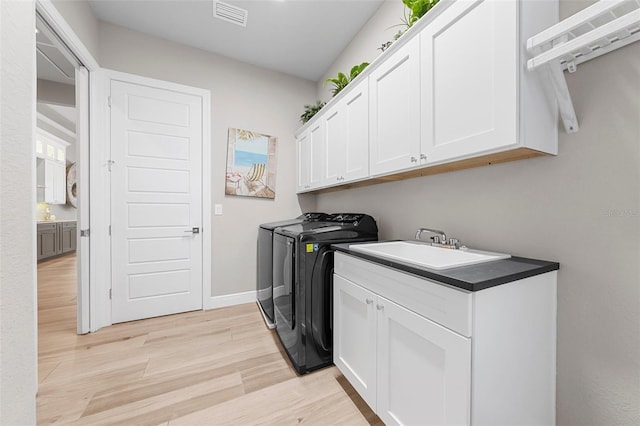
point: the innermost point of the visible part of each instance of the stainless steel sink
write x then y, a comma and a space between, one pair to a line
426, 255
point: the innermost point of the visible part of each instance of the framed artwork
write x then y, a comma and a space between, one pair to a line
251, 164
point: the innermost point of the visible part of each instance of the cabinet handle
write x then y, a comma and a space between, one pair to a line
369, 301
414, 160
423, 156
380, 307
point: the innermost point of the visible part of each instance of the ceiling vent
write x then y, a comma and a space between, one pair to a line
230, 13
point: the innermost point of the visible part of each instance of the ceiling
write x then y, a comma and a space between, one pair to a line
298, 37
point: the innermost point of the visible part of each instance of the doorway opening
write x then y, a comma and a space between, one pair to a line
58, 155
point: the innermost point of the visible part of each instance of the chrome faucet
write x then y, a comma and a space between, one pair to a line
440, 237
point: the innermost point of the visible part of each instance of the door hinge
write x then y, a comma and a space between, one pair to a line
110, 164
109, 230
109, 101
110, 294
85, 232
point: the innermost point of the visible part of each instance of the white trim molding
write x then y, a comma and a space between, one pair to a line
230, 300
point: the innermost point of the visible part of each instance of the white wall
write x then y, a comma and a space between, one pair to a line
581, 208
243, 96
364, 47
18, 380
52, 92
79, 16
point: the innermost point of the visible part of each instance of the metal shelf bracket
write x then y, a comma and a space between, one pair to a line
605, 26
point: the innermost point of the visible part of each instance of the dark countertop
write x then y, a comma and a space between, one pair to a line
56, 221
472, 277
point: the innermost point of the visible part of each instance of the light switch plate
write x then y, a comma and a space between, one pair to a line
217, 209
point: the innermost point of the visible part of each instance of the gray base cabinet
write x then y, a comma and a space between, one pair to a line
55, 239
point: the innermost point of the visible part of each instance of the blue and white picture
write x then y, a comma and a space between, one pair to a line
251, 164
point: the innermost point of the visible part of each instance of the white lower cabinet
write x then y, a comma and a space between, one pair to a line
410, 370
423, 369
423, 353
354, 341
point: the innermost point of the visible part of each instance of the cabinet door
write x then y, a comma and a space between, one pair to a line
394, 90
304, 159
354, 337
41, 183
316, 147
68, 237
59, 183
469, 68
49, 181
424, 370
335, 144
356, 113
48, 242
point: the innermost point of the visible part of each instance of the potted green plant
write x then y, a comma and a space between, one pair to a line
417, 9
341, 81
311, 110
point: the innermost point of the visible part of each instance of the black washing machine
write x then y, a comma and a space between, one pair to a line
265, 262
303, 284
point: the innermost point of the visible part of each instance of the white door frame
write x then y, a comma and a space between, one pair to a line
55, 20
101, 190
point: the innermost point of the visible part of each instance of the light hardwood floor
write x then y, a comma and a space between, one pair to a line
220, 367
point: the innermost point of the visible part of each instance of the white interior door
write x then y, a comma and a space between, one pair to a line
156, 201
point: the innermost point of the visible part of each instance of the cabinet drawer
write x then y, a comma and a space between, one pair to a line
47, 226
66, 225
444, 305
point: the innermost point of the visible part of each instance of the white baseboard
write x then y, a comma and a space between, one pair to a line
230, 300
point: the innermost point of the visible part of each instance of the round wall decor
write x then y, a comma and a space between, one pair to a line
72, 186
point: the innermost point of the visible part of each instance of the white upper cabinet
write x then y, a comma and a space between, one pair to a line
356, 110
347, 137
317, 160
476, 93
303, 162
311, 157
452, 93
394, 111
51, 157
335, 144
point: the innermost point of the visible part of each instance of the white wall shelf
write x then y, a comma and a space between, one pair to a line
598, 29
